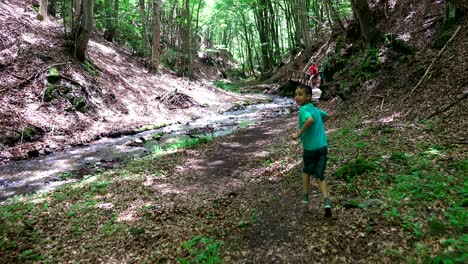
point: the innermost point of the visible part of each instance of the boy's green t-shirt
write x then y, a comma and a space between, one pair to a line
314, 136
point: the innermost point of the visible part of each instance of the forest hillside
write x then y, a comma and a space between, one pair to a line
419, 73
48, 101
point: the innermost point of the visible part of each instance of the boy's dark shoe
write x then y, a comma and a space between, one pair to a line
305, 198
327, 206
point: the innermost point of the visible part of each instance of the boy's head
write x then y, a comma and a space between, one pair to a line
303, 94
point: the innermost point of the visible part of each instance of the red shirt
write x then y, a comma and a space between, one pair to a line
313, 70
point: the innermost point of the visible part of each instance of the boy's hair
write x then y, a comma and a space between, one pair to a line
307, 89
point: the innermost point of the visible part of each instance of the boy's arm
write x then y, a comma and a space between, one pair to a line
324, 115
307, 123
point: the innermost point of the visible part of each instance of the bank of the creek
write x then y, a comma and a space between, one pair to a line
49, 171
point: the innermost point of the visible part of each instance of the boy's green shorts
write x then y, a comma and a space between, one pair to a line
315, 162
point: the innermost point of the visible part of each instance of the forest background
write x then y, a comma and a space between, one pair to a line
76, 71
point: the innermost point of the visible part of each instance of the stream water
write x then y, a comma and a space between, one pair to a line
47, 172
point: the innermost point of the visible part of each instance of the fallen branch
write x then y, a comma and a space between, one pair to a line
70, 80
438, 111
433, 61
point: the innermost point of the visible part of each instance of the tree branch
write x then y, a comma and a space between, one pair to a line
433, 61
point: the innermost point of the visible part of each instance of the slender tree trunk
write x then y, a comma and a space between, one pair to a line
334, 15
51, 8
286, 9
296, 13
275, 48
155, 55
304, 23
43, 10
247, 42
369, 30
144, 31
197, 44
84, 30
186, 67
263, 21
64, 11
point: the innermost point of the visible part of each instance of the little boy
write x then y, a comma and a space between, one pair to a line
314, 141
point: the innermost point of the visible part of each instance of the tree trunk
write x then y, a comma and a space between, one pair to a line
334, 15
43, 10
276, 50
247, 42
263, 23
109, 14
304, 23
186, 65
84, 30
144, 31
155, 55
296, 11
112, 13
369, 30
196, 42
51, 8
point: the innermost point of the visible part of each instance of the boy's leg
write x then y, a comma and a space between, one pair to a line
305, 188
323, 186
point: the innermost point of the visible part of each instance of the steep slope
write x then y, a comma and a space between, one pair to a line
439, 102
415, 36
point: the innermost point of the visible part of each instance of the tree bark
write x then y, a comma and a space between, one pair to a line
247, 42
155, 55
186, 65
43, 10
368, 27
144, 31
196, 42
84, 30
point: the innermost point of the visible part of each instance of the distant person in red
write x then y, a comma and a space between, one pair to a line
314, 80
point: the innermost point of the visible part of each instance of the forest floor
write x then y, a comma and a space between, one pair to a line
397, 164
236, 199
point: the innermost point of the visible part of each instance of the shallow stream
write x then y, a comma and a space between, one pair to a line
47, 172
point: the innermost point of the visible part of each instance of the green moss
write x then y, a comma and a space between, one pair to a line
355, 168
370, 65
77, 104
50, 93
401, 46
91, 68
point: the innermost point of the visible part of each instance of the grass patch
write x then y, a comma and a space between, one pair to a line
201, 250
182, 144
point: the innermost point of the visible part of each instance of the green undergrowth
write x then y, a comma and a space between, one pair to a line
180, 144
201, 250
420, 188
38, 227
237, 86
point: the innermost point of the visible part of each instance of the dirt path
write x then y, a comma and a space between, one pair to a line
253, 192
